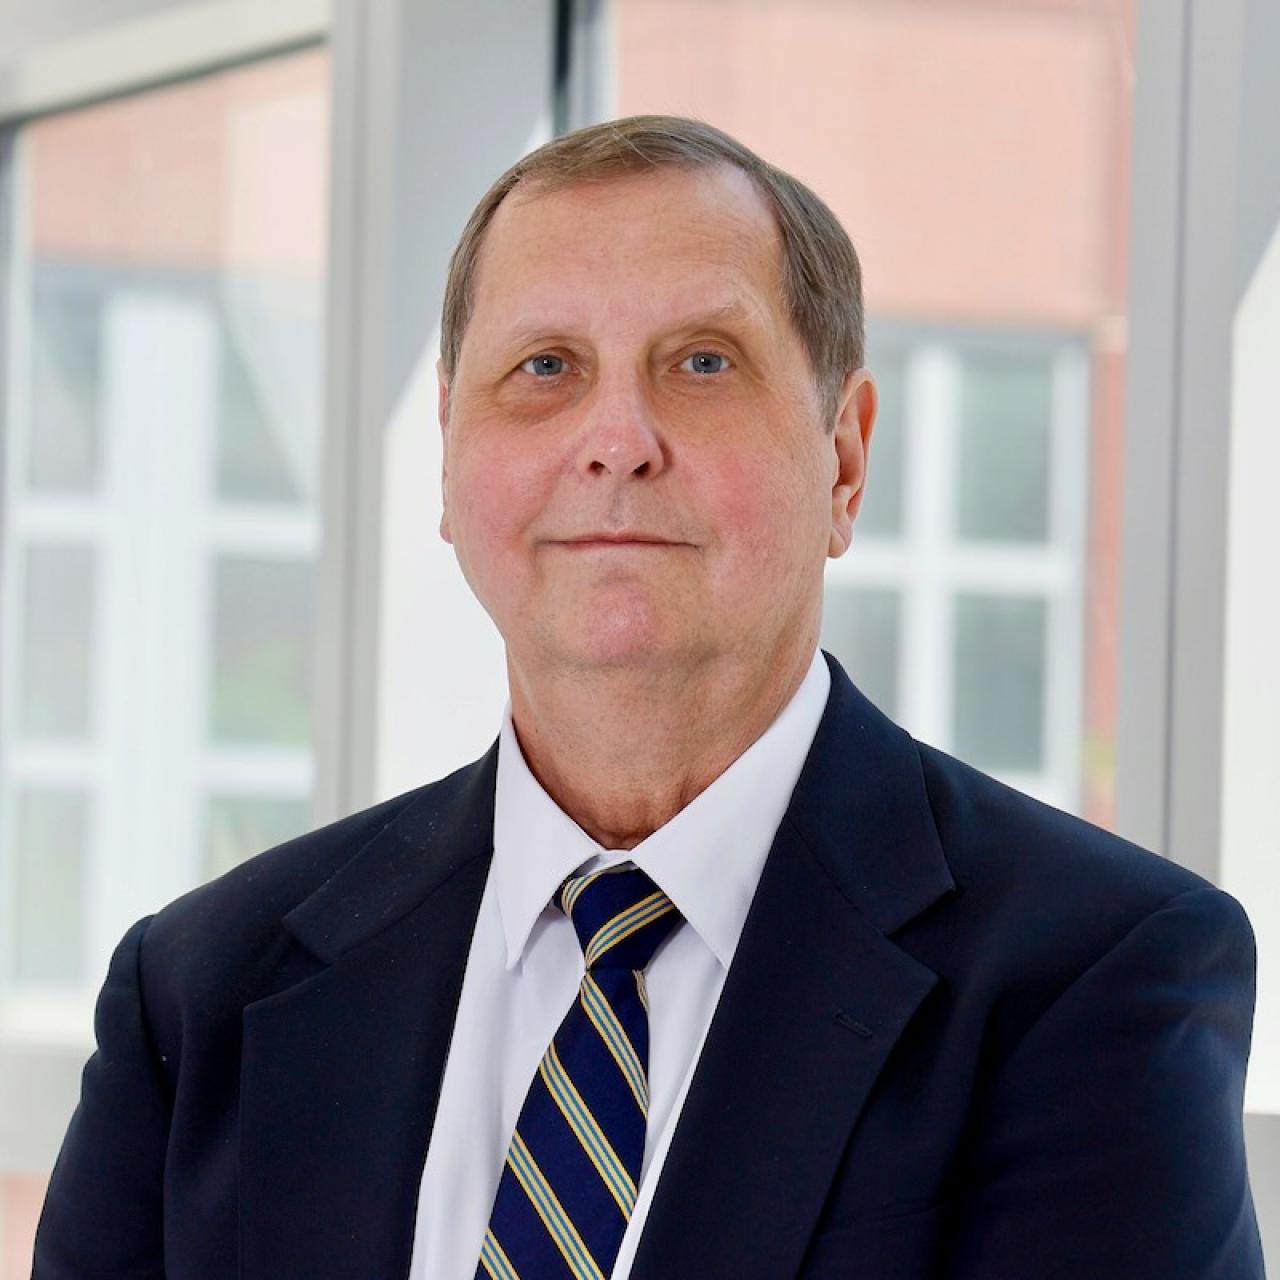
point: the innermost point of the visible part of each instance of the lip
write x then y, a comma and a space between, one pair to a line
624, 539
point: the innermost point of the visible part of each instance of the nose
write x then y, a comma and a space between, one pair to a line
620, 435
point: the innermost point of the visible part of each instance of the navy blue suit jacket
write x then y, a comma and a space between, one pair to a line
965, 1035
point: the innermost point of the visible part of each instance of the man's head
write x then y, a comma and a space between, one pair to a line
648, 455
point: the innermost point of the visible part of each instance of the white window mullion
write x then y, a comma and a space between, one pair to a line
263, 531
158, 407
995, 569
58, 518
12, 475
872, 562
280, 771
1069, 462
76, 765
931, 378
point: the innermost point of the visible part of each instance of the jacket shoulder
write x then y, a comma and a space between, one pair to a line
1042, 897
224, 938
1041, 894
995, 834
272, 882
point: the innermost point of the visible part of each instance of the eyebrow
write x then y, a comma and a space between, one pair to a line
730, 310
734, 309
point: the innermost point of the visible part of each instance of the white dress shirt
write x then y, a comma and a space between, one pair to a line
525, 965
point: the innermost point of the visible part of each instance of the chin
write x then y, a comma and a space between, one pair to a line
621, 638
618, 652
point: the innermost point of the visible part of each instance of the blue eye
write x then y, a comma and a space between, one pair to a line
706, 362
543, 366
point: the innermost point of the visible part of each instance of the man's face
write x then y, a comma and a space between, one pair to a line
635, 469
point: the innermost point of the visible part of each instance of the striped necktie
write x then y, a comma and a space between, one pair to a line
569, 1183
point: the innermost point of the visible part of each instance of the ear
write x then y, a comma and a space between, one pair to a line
442, 411
851, 442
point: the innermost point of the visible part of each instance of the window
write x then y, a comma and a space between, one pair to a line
160, 517
958, 609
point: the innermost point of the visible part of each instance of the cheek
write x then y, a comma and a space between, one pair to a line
493, 496
770, 514
488, 512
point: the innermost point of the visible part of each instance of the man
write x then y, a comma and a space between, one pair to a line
706, 969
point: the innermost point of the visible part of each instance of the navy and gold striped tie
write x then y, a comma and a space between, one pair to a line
569, 1183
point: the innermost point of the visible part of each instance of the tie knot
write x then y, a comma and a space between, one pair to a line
619, 914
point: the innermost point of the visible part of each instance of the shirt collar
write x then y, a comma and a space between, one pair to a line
707, 859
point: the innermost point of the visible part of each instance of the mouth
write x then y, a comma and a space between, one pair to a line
609, 541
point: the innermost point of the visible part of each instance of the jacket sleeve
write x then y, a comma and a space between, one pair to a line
102, 1215
1110, 1142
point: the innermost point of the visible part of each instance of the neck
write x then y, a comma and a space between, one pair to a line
623, 751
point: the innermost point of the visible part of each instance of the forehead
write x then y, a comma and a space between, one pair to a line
672, 235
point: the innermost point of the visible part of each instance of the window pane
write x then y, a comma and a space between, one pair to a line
1000, 681
860, 628
55, 686
262, 633
49, 848
1002, 454
881, 510
238, 826
269, 386
65, 443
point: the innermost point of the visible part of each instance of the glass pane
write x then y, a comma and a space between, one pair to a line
881, 512
269, 385
66, 368
1002, 454
860, 627
55, 684
977, 154
238, 826
49, 859
1000, 681
262, 648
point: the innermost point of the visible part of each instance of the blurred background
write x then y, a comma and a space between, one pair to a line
225, 613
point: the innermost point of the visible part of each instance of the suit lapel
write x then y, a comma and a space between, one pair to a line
813, 1003
341, 1073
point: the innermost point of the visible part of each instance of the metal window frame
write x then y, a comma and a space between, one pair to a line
185, 40
1182, 298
